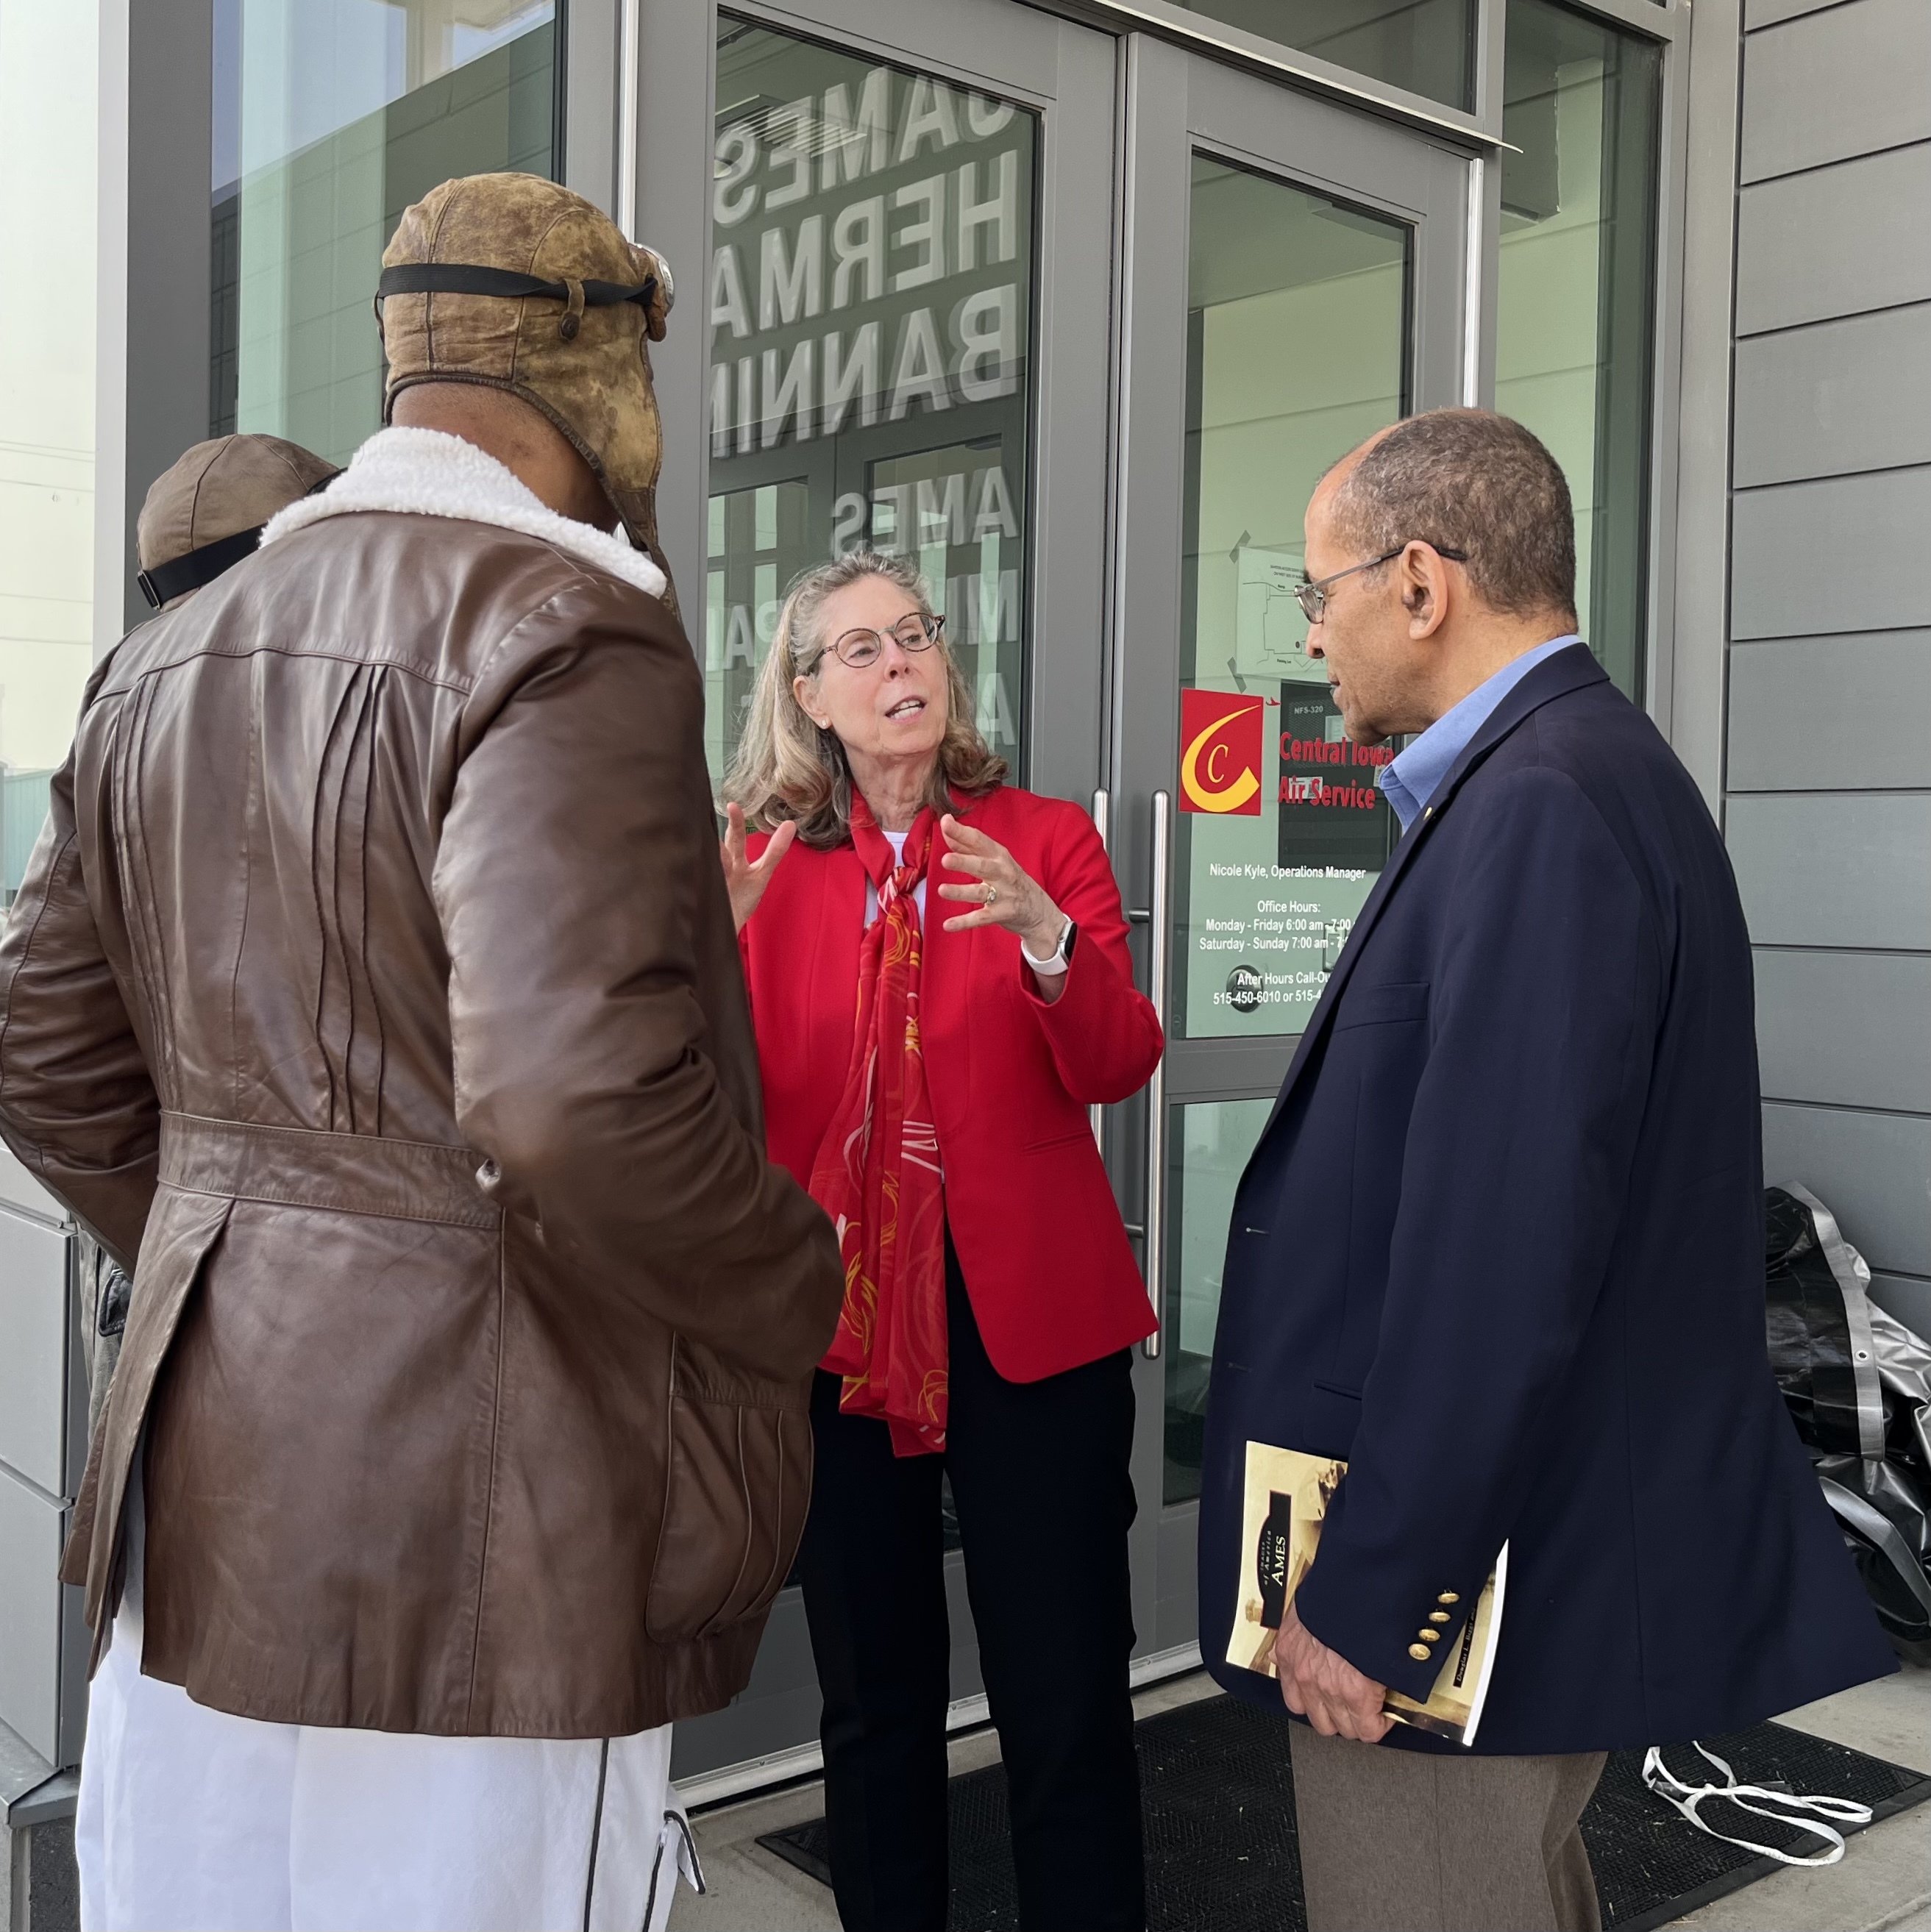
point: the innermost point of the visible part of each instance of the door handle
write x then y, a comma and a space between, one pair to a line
1159, 924
1103, 814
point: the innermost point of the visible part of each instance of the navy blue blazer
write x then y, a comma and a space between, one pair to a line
1501, 1246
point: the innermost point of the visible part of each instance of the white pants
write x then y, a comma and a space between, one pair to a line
190, 1818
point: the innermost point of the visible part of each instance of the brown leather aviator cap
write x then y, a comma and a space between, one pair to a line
514, 282
204, 514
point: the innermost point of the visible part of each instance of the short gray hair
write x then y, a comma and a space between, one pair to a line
1472, 480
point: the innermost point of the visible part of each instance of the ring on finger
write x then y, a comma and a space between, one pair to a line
991, 894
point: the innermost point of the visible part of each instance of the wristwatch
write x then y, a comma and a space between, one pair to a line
1060, 958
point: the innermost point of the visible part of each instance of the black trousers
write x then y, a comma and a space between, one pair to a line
1044, 1495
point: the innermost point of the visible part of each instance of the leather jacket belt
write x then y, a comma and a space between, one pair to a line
352, 1174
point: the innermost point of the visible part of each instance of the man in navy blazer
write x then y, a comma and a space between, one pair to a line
1501, 1245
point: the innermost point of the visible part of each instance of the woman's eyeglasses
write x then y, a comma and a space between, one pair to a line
859, 648
1313, 598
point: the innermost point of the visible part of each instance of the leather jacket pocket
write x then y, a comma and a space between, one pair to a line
736, 1487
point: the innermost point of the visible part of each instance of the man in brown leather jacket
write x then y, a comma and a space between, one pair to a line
373, 991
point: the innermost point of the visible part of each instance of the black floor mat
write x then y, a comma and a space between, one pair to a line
1221, 1851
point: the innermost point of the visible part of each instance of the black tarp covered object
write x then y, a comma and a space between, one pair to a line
1858, 1385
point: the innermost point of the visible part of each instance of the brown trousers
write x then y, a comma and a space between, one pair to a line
1408, 1841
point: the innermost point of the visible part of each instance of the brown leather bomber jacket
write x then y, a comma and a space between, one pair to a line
374, 981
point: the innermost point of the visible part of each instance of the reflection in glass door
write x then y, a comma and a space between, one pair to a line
871, 309
1297, 315
330, 117
1324, 257
1296, 348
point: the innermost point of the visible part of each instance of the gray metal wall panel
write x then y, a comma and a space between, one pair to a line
31, 1530
1844, 714
1828, 766
1846, 553
1849, 1029
1828, 86
1870, 1169
1835, 241
1834, 870
1838, 397
1768, 13
33, 1365
1905, 1297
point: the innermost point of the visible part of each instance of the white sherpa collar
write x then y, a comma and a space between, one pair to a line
424, 472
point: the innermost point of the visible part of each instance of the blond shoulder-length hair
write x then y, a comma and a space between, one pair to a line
788, 767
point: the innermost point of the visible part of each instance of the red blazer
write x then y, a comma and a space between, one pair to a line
1046, 1259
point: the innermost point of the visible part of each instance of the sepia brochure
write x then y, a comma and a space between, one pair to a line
1288, 1493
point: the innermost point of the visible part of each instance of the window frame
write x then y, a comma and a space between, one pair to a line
606, 143
154, 292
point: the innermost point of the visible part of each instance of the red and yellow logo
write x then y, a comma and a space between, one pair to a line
1220, 752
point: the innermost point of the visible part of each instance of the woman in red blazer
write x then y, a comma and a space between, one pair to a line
928, 1077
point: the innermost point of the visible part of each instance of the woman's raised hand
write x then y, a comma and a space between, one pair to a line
747, 878
1001, 893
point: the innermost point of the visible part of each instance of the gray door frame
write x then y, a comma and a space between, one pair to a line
1177, 103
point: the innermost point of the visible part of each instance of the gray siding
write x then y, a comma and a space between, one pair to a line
1835, 241
1821, 868
1846, 713
1846, 1029
1843, 550
1826, 87
1767, 13
1827, 785
1836, 397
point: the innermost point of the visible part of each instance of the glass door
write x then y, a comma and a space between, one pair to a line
1293, 282
907, 264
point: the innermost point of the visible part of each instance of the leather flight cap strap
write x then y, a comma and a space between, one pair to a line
190, 572
465, 278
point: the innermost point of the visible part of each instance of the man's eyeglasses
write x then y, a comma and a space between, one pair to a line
860, 649
1313, 596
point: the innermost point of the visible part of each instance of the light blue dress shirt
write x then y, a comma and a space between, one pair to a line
1411, 780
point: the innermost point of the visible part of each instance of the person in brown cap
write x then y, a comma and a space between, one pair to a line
376, 981
205, 512
202, 514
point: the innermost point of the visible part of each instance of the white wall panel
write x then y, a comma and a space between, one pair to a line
31, 1530
34, 1366
19, 1188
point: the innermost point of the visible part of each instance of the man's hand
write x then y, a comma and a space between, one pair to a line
1321, 1685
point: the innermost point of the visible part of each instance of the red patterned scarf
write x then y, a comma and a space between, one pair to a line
878, 1174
